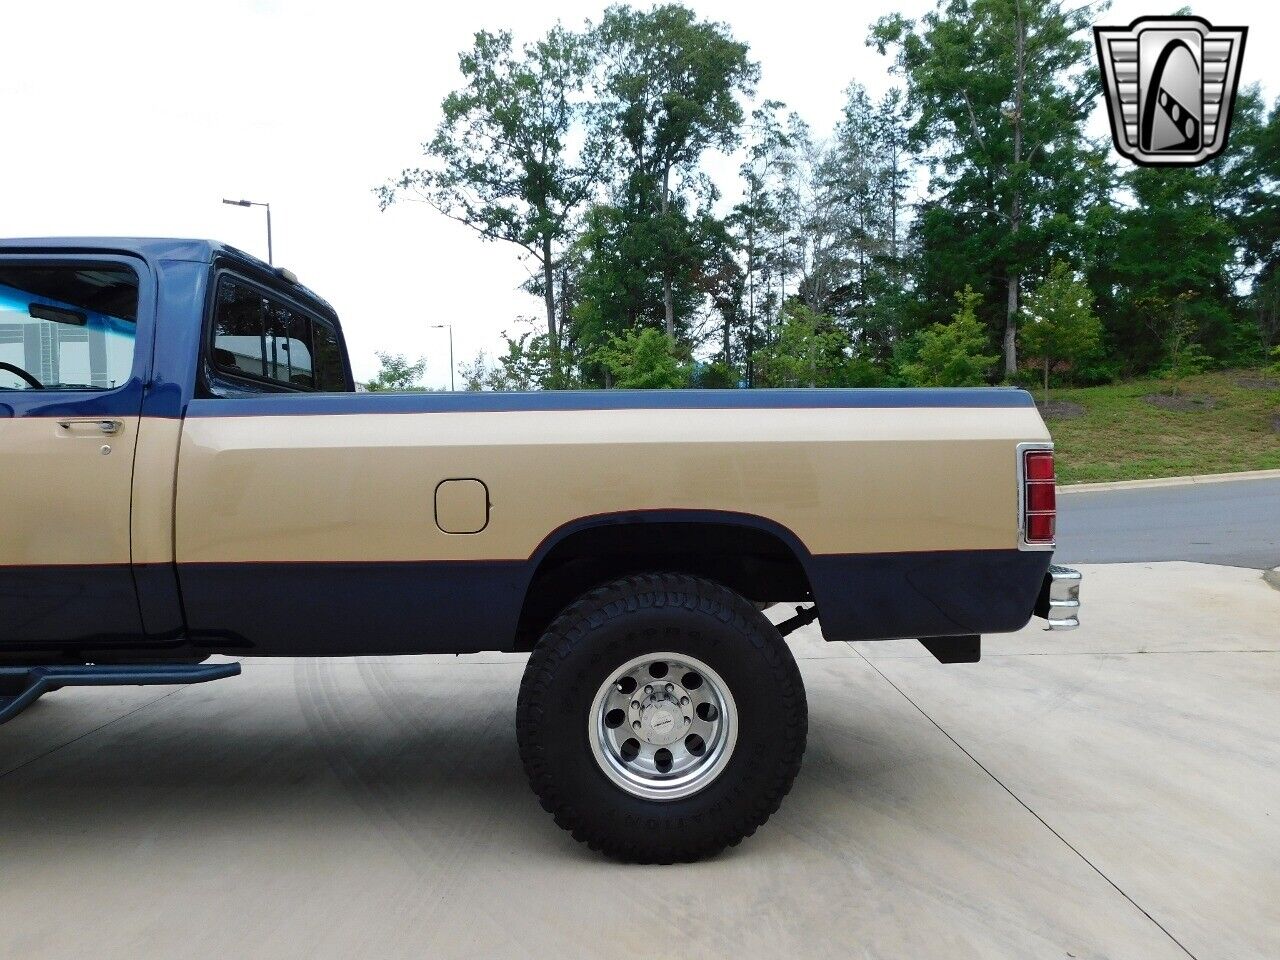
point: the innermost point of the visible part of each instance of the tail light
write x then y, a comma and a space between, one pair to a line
1038, 496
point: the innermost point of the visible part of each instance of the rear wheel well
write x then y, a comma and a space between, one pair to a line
753, 562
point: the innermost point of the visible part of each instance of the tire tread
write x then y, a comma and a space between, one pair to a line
575, 628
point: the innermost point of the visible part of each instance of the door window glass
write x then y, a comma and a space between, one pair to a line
66, 327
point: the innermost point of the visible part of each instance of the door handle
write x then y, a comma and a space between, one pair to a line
108, 427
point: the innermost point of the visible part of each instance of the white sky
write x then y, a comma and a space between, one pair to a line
137, 118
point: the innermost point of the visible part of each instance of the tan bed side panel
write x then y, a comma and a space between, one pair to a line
360, 487
65, 501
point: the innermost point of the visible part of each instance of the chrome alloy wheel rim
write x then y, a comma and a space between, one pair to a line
663, 726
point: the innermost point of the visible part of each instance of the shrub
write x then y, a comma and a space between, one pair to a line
644, 359
950, 354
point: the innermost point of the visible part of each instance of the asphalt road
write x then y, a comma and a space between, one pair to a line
1236, 523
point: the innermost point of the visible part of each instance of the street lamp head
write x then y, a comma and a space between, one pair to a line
265, 206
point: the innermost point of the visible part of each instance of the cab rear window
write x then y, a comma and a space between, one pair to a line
66, 327
264, 338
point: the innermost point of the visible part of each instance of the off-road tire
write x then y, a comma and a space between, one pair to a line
629, 618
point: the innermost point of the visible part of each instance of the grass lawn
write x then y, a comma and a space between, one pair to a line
1121, 435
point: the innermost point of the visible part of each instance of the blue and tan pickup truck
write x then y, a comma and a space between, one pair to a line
189, 476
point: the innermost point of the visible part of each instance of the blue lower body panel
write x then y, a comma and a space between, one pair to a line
886, 596
22, 686
364, 609
316, 609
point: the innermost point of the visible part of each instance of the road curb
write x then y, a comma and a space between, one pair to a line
1171, 481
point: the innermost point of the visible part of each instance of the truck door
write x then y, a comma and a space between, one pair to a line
71, 385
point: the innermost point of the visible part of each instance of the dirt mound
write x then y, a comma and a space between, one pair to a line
1182, 404
1258, 383
1060, 409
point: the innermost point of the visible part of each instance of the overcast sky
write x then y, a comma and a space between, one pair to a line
137, 118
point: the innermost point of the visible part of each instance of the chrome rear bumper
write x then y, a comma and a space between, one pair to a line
1059, 601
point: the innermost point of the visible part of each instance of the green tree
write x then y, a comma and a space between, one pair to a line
1172, 322
670, 91
475, 373
1058, 322
397, 373
951, 354
618, 287
644, 359
1265, 304
1260, 224
504, 159
1172, 257
1250, 170
757, 229
1207, 232
809, 351
714, 376
859, 213
1000, 90
526, 365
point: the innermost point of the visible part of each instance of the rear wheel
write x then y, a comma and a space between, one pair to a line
661, 718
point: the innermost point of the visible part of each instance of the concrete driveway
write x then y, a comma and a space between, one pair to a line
1114, 792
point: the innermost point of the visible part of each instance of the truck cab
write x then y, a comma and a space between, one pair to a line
93, 383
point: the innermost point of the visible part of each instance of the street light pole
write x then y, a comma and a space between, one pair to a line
254, 203
449, 327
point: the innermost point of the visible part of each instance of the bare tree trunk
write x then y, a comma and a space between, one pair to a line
1011, 327
668, 298
893, 207
549, 297
751, 300
1015, 213
1046, 378
565, 305
728, 331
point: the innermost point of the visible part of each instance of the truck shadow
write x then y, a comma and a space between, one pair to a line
418, 761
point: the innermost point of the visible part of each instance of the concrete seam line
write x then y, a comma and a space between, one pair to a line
1170, 481
88, 733
1022, 803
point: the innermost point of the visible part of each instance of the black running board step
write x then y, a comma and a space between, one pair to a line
22, 686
